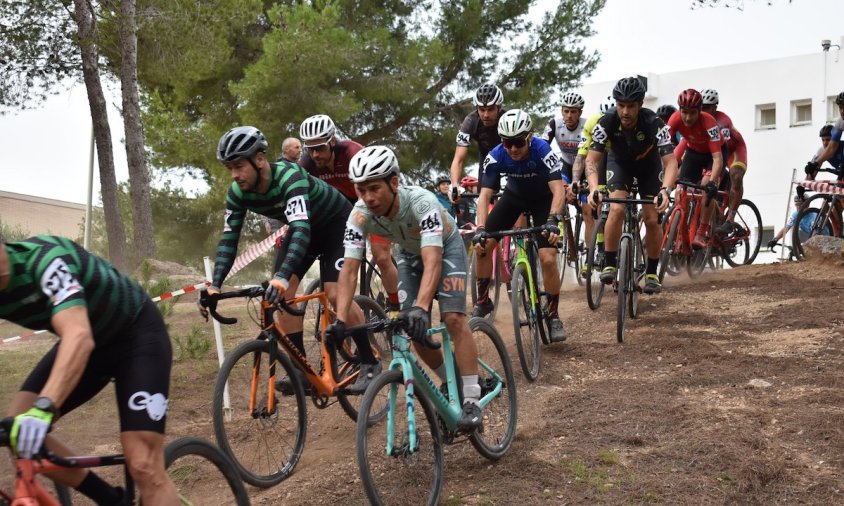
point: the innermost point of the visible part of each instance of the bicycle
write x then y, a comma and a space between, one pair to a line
569, 247
196, 467
825, 218
631, 263
264, 433
681, 226
500, 274
530, 306
742, 244
595, 260
400, 456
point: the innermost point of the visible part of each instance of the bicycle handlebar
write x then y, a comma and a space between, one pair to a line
393, 326
249, 292
519, 232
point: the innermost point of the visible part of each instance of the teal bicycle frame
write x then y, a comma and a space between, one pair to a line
414, 375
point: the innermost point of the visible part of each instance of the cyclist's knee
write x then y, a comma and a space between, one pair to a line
145, 458
454, 320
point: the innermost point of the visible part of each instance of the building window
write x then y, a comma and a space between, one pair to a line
801, 112
766, 116
832, 109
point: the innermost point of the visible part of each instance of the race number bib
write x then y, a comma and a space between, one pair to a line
553, 162
463, 139
726, 133
431, 223
599, 135
226, 226
353, 237
296, 209
58, 282
489, 160
663, 137
714, 134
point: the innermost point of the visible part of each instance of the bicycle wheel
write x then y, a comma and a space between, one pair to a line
625, 272
669, 243
311, 325
810, 221
562, 248
203, 474
374, 286
594, 266
501, 414
638, 273
580, 250
264, 442
405, 475
525, 324
380, 342
539, 286
742, 250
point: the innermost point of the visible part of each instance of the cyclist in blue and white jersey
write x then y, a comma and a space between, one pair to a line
567, 130
834, 151
535, 184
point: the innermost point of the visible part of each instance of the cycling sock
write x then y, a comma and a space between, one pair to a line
99, 491
471, 388
553, 302
652, 265
393, 298
361, 338
610, 258
601, 244
483, 290
298, 341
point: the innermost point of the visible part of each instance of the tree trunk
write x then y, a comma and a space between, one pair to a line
102, 134
135, 155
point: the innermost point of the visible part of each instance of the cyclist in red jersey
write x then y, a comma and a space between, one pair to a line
327, 158
736, 157
704, 154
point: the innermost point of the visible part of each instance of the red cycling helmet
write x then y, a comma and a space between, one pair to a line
690, 99
469, 181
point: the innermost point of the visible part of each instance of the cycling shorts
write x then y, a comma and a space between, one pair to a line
510, 206
327, 245
696, 165
647, 171
139, 363
451, 292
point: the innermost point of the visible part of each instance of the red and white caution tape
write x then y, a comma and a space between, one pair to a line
821, 186
187, 289
22, 336
256, 251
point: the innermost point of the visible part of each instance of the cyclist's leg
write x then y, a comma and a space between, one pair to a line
410, 275
649, 175
696, 167
505, 213
382, 253
618, 183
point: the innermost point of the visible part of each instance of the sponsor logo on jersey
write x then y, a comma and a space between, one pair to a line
58, 282
640, 136
154, 404
339, 264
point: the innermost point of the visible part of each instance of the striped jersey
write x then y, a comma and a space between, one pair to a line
302, 201
50, 274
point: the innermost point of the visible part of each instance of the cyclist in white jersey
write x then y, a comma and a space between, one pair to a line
567, 129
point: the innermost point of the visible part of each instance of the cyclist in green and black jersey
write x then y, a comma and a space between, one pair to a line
108, 329
286, 192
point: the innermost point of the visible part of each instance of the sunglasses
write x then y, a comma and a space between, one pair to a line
318, 147
518, 142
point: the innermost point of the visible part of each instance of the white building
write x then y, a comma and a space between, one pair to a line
778, 106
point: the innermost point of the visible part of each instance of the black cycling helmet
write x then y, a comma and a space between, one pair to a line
240, 142
487, 95
665, 111
629, 89
441, 179
826, 131
840, 98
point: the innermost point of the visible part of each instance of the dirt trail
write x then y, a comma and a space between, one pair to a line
728, 389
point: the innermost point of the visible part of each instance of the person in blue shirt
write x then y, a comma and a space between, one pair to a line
441, 184
535, 185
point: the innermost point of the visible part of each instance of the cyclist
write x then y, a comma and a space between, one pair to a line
703, 153
328, 159
664, 112
567, 129
431, 262
286, 192
467, 210
108, 329
441, 184
641, 149
535, 184
805, 223
579, 175
834, 151
736, 158
481, 125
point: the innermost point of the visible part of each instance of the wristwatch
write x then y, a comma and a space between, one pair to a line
45, 404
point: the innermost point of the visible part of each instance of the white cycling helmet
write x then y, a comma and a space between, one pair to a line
487, 95
607, 104
513, 124
710, 96
373, 162
316, 130
572, 99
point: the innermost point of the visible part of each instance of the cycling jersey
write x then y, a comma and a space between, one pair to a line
837, 159
52, 274
294, 197
339, 176
474, 129
420, 222
736, 147
567, 140
704, 136
525, 178
583, 148
648, 135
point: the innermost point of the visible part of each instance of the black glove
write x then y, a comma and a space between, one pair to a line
336, 333
772, 243
552, 225
454, 195
595, 196
418, 322
811, 169
480, 236
711, 190
207, 301
575, 188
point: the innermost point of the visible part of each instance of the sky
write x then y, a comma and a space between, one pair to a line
45, 151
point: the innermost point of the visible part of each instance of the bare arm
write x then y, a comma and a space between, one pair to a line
717, 165
483, 206
432, 265
593, 161
346, 284
460, 154
558, 190
577, 168
75, 347
827, 153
